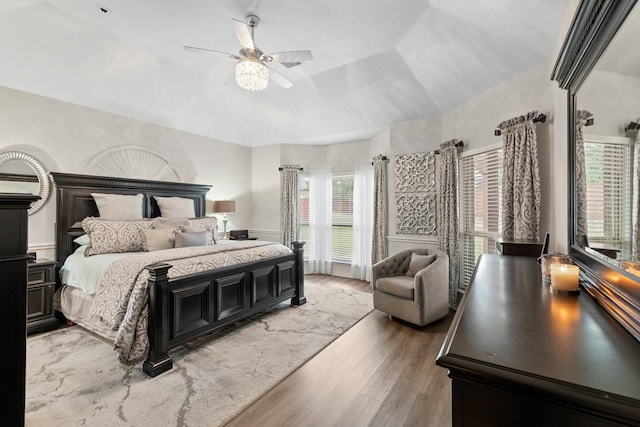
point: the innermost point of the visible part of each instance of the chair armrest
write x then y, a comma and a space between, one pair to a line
432, 282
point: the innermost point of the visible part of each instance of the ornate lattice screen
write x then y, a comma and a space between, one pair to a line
416, 194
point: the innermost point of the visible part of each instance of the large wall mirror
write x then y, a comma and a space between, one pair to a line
599, 65
22, 173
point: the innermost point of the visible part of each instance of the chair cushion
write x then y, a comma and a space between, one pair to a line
401, 286
418, 262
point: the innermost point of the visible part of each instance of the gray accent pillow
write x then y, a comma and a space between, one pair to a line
195, 238
418, 262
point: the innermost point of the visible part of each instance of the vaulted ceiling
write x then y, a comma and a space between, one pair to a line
375, 62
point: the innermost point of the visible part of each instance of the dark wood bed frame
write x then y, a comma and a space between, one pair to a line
186, 307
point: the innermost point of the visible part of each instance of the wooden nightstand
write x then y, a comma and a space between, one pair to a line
41, 284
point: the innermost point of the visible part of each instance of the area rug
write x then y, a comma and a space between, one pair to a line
74, 378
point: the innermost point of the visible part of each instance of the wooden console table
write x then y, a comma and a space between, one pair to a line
519, 354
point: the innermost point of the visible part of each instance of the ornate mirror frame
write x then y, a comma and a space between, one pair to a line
594, 25
41, 173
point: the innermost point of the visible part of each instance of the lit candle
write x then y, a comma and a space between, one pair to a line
564, 277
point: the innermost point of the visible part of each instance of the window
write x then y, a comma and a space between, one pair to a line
481, 208
608, 168
341, 216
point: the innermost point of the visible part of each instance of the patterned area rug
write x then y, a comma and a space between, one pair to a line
74, 378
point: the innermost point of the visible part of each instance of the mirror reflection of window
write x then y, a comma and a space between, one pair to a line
17, 176
610, 93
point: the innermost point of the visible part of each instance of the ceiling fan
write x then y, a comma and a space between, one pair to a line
252, 72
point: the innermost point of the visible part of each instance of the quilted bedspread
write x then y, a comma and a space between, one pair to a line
121, 301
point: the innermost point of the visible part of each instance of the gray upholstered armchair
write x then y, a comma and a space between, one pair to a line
418, 298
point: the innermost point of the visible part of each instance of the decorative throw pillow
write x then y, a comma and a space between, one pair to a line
114, 236
418, 262
158, 239
195, 238
82, 240
205, 223
171, 223
118, 206
176, 207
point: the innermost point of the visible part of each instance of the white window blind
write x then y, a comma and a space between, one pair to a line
341, 216
342, 219
481, 207
608, 168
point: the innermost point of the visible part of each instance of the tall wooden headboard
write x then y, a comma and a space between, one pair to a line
74, 201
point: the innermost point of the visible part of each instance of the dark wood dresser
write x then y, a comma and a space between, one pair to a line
520, 355
13, 304
41, 284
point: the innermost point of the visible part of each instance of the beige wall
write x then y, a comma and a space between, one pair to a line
66, 137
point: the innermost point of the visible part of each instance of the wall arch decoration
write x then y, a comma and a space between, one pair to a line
133, 161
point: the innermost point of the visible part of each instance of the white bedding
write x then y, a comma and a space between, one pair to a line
84, 272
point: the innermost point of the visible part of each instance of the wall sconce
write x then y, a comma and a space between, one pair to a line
224, 207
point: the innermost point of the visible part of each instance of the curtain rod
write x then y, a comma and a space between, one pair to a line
457, 145
539, 118
281, 169
383, 159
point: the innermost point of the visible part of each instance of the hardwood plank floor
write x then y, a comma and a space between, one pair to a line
381, 372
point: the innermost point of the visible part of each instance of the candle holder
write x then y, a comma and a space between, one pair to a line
565, 278
547, 260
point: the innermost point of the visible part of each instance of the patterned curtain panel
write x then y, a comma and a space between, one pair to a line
416, 194
581, 177
447, 212
379, 240
289, 204
521, 181
636, 200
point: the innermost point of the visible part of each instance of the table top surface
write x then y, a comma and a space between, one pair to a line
510, 323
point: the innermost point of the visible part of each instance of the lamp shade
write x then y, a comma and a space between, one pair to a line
224, 206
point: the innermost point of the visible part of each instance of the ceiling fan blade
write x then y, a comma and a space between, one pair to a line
209, 51
243, 34
291, 56
279, 79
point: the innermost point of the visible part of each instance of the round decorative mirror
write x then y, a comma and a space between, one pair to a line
22, 173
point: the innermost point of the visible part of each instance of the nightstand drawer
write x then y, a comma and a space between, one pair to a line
38, 274
41, 285
40, 300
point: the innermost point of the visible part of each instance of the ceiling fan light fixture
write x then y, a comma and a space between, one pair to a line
251, 74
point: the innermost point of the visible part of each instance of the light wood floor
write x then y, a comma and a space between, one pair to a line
381, 372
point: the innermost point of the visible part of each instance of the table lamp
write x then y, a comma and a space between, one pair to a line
224, 207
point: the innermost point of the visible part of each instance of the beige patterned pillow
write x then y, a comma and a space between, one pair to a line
114, 236
171, 223
158, 239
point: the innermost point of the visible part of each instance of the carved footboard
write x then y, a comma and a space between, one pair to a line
190, 306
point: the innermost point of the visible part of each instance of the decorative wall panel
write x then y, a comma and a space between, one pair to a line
415, 188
